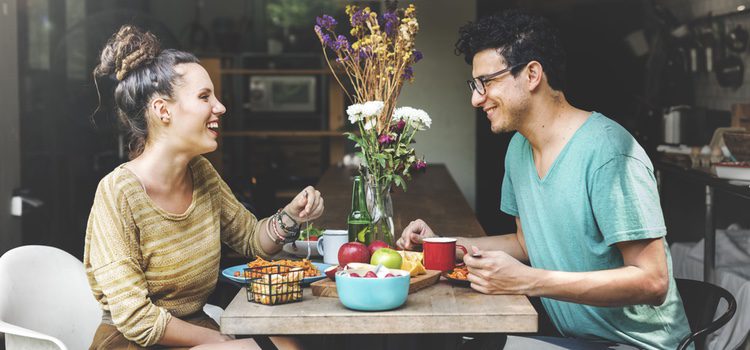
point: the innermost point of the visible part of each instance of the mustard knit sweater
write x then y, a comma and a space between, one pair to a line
146, 265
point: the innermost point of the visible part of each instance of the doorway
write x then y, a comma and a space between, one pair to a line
10, 164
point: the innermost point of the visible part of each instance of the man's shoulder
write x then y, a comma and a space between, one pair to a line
609, 140
517, 141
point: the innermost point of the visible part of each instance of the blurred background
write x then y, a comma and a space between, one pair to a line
633, 60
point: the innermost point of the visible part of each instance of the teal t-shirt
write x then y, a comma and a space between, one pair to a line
599, 191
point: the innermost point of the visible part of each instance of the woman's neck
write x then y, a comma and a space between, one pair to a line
162, 170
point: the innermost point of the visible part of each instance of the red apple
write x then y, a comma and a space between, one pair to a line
375, 245
331, 271
353, 252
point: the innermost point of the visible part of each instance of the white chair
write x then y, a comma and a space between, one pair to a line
45, 300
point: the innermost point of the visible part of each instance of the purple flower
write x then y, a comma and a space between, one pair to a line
417, 56
363, 54
399, 126
358, 18
385, 139
408, 73
329, 42
342, 43
326, 22
391, 23
420, 165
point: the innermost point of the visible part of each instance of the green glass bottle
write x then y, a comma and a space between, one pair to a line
359, 220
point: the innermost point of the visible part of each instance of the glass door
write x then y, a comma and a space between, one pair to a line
10, 172
66, 148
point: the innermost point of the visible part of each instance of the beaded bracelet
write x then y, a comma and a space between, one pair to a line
270, 233
280, 237
292, 235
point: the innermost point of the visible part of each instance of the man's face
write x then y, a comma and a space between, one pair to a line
503, 99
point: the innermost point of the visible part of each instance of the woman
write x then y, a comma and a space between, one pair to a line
154, 233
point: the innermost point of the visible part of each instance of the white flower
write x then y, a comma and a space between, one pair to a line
416, 118
360, 111
371, 124
372, 108
355, 112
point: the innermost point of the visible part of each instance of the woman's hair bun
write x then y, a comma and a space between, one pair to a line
127, 50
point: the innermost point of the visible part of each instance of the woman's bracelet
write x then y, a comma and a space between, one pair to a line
270, 233
291, 230
290, 236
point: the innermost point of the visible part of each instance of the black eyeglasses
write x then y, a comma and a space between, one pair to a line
478, 82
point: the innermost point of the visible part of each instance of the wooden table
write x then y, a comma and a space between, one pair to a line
442, 308
432, 196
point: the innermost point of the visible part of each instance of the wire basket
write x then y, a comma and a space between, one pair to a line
274, 284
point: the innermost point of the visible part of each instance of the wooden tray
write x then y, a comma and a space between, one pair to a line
327, 288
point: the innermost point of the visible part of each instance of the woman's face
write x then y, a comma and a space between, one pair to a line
194, 111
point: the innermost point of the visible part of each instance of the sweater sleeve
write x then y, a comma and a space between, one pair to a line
112, 263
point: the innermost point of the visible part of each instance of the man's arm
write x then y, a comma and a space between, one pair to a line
643, 279
511, 243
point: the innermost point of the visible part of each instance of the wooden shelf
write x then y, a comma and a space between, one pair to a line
324, 140
275, 71
284, 133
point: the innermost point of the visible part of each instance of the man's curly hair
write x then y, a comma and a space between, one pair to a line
519, 37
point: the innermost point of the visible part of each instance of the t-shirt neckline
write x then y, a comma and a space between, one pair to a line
551, 170
152, 204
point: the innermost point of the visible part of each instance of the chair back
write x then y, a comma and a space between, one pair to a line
701, 300
45, 289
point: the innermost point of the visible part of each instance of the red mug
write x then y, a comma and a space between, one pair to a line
440, 253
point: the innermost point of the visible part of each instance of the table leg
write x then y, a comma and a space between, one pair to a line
709, 246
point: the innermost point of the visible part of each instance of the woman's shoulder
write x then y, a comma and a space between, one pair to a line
202, 169
119, 180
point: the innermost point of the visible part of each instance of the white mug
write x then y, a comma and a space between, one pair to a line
334, 240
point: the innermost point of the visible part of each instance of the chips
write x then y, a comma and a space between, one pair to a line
310, 269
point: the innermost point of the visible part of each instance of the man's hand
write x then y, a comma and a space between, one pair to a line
306, 206
496, 272
413, 235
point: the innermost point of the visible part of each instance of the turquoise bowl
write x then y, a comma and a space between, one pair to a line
373, 294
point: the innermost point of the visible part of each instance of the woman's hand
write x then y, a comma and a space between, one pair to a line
306, 206
413, 234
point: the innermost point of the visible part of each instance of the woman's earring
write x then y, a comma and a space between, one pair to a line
166, 119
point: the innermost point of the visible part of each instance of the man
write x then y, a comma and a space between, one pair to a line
583, 193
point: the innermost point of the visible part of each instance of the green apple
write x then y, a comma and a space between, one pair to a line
388, 257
